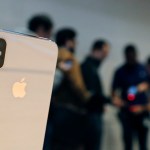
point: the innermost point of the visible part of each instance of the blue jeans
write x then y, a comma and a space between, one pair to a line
93, 131
67, 129
72, 130
132, 126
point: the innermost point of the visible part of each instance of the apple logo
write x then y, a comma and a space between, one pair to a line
18, 89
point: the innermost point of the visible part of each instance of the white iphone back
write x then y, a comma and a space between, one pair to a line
26, 80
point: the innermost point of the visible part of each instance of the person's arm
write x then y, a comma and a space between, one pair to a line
73, 74
148, 107
76, 78
88, 77
93, 86
116, 99
143, 87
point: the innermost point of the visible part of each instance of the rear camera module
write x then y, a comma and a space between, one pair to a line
2, 52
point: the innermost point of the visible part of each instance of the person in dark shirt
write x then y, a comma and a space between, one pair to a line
93, 118
148, 65
129, 88
148, 70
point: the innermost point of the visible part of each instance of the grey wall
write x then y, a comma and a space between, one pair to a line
118, 21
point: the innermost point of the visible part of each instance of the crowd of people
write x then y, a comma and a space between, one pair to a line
75, 119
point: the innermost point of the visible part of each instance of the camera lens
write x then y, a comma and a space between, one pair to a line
2, 51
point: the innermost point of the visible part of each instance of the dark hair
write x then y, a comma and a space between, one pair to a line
63, 35
98, 45
40, 20
130, 49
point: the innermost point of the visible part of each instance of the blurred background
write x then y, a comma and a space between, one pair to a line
118, 21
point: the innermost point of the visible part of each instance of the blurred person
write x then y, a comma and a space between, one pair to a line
93, 118
129, 88
148, 70
70, 96
41, 25
148, 65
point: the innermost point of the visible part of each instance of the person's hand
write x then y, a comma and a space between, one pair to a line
96, 103
118, 102
137, 109
143, 87
148, 107
64, 66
